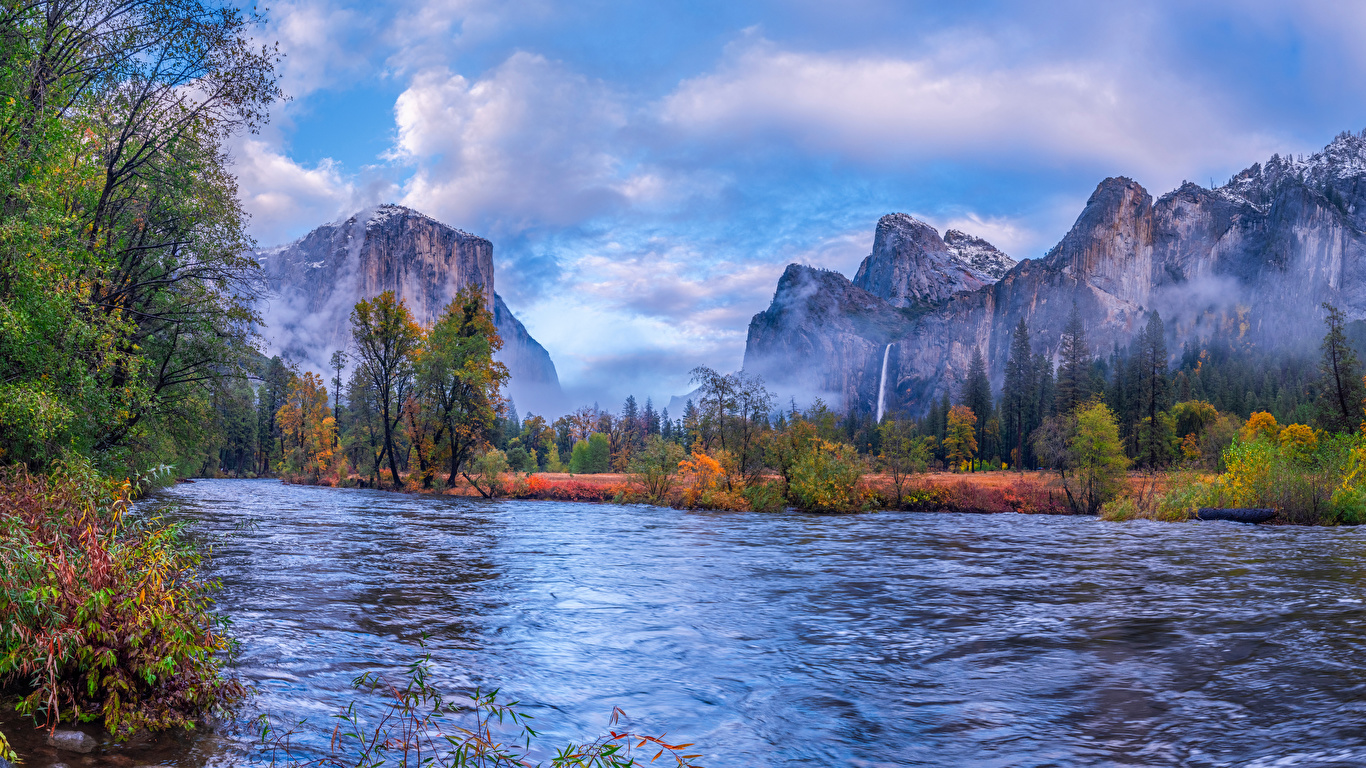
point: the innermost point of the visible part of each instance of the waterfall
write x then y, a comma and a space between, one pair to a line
882, 385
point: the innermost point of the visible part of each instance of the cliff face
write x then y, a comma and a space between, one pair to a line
1254, 258
317, 279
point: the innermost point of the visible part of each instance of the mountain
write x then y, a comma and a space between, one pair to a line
1254, 258
316, 280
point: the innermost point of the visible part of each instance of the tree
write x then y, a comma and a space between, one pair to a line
1339, 403
655, 467
960, 442
904, 453
753, 401
307, 427
1074, 367
1018, 395
1085, 449
386, 341
270, 395
337, 364
599, 455
460, 379
716, 398
977, 388
1154, 436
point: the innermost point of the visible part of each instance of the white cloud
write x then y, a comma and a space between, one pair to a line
876, 108
529, 144
284, 198
319, 43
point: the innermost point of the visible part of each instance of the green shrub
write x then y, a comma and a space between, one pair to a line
520, 460
765, 497
488, 471
103, 618
599, 454
655, 468
1119, 510
825, 478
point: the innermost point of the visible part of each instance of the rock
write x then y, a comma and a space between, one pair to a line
978, 254
1258, 254
534, 384
72, 741
910, 264
1237, 515
318, 279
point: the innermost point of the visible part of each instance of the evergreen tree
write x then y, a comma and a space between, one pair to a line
1340, 395
976, 394
1018, 395
1046, 399
1074, 364
269, 397
1154, 388
337, 363
651, 418
690, 425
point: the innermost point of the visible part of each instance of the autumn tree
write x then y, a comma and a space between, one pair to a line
1083, 446
387, 341
960, 442
308, 427
461, 379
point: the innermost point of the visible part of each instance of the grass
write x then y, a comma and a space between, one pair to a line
419, 725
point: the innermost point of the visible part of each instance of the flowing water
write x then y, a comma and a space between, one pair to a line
885, 639
882, 383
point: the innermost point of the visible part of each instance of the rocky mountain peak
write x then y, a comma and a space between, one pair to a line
911, 265
1338, 171
978, 254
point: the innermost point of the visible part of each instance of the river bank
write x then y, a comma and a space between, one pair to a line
989, 492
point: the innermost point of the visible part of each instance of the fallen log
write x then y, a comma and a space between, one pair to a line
1235, 514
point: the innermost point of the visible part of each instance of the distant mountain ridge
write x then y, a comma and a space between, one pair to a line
1254, 258
317, 279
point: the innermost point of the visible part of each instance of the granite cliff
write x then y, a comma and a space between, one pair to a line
316, 280
1254, 258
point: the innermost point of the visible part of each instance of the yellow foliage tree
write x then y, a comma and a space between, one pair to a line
960, 442
308, 427
1258, 424
1299, 437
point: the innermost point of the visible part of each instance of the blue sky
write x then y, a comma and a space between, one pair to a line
645, 170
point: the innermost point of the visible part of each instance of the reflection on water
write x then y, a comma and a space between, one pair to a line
786, 640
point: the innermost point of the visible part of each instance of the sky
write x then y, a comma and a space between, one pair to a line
645, 170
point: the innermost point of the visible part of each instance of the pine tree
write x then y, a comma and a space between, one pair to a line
1341, 388
1154, 394
1018, 395
1046, 400
977, 390
650, 418
1074, 364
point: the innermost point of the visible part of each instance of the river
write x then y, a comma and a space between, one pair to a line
885, 639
